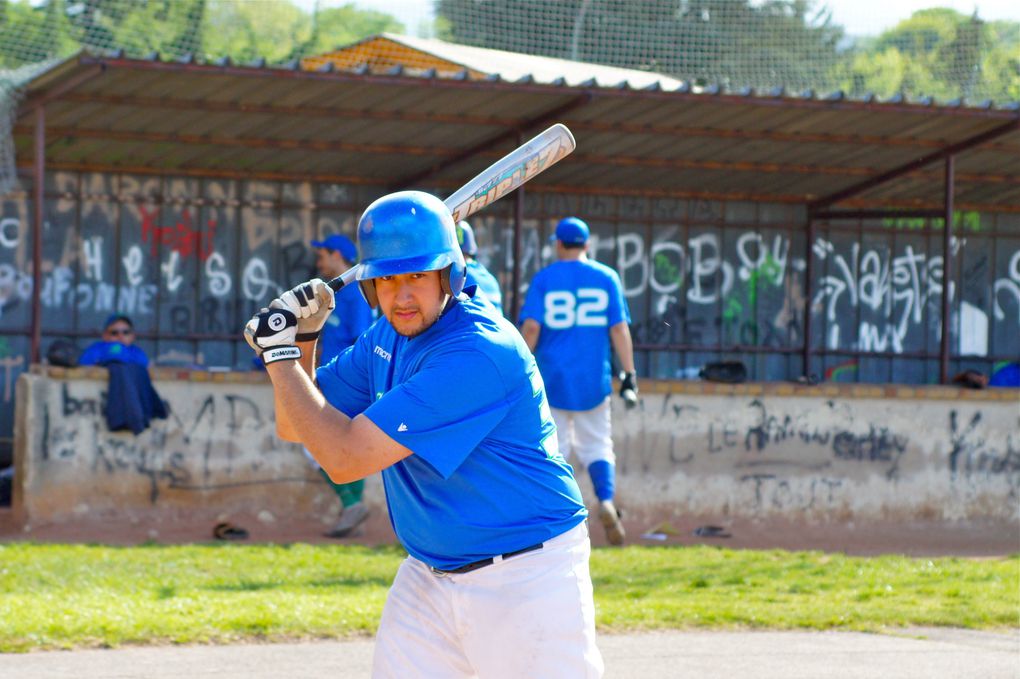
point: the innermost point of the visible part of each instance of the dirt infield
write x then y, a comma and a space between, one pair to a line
912, 539
917, 654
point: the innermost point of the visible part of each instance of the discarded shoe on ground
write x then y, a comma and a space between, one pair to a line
228, 531
711, 532
351, 518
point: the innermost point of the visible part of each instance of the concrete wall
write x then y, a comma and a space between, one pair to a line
803, 453
822, 453
217, 453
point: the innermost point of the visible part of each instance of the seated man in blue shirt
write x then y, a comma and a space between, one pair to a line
117, 345
442, 395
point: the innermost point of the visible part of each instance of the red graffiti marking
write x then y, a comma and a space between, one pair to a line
182, 237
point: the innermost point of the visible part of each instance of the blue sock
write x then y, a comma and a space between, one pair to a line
603, 477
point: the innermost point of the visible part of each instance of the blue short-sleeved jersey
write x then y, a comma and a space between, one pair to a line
349, 319
575, 302
466, 397
478, 275
99, 353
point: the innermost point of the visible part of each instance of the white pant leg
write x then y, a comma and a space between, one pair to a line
418, 634
564, 430
532, 615
593, 435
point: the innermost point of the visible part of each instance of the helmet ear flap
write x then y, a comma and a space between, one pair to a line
452, 278
444, 279
368, 292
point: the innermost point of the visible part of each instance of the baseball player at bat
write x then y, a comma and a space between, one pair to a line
477, 274
443, 397
573, 310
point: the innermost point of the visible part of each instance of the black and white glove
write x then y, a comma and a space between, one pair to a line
311, 303
272, 333
628, 389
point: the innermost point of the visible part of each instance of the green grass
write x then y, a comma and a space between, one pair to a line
655, 588
63, 596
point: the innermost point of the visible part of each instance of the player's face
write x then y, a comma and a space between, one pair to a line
119, 331
411, 302
330, 263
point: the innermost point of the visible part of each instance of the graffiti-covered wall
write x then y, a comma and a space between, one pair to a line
823, 453
188, 260
216, 452
191, 259
808, 453
708, 280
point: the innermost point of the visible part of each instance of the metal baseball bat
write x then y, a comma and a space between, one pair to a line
502, 177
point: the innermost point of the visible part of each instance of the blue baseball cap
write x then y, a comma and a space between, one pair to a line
113, 318
342, 244
572, 231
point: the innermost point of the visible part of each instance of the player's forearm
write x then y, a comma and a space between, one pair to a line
284, 428
308, 360
530, 331
323, 430
623, 345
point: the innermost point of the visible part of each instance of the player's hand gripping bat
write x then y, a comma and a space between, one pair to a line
499, 179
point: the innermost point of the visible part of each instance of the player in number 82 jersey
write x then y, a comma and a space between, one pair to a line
573, 312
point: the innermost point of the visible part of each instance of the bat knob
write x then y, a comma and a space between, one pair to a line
346, 278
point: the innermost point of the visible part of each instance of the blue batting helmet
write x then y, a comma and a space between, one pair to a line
407, 232
466, 238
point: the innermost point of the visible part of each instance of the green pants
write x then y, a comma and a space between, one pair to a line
349, 493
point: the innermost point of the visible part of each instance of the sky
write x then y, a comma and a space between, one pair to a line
859, 17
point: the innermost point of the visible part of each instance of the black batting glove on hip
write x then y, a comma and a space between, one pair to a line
272, 333
628, 389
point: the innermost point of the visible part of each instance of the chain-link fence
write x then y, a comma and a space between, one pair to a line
792, 44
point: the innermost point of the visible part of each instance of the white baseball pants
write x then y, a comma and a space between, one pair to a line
586, 433
531, 615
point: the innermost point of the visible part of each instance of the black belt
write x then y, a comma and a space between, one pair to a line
475, 565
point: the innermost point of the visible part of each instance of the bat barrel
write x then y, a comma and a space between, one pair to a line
502, 177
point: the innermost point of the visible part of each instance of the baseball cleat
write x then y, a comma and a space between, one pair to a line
351, 518
610, 519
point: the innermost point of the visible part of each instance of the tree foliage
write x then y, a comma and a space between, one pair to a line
243, 30
789, 43
717, 41
940, 53
339, 26
760, 43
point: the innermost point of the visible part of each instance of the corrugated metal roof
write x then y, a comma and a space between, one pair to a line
390, 49
358, 125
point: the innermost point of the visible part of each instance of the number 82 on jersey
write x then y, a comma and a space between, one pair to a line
564, 309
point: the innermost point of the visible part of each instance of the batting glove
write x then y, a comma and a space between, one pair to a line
311, 303
628, 389
272, 333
